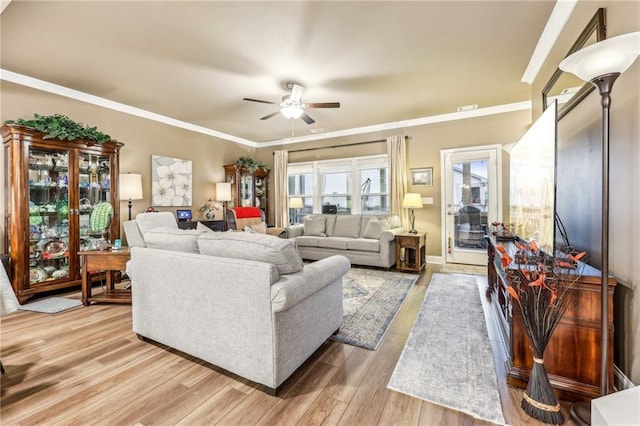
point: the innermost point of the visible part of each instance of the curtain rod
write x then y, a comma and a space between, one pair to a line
339, 146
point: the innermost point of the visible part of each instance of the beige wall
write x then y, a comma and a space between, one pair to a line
579, 188
141, 138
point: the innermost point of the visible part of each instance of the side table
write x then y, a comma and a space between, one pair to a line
215, 225
410, 251
109, 261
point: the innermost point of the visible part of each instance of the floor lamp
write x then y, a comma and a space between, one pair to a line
601, 64
130, 188
223, 194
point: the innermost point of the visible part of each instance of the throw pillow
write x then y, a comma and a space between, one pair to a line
347, 226
375, 228
314, 226
203, 227
260, 228
280, 252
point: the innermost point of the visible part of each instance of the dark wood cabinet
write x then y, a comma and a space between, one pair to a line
410, 252
55, 206
572, 357
249, 187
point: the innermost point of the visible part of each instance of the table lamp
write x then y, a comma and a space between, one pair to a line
130, 188
296, 203
223, 194
412, 201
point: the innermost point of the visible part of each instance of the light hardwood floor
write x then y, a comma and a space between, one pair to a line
85, 366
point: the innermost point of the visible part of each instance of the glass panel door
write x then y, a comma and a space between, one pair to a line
472, 202
95, 207
48, 214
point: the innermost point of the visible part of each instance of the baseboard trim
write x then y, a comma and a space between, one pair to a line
620, 381
437, 260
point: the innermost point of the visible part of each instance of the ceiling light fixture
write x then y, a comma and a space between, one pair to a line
291, 109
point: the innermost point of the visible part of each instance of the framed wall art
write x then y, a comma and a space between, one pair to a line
171, 180
422, 176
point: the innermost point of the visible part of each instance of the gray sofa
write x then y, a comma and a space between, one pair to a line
241, 301
363, 239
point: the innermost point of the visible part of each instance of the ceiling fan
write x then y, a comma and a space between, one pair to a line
292, 105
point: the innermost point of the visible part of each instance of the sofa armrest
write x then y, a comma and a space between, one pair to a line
294, 231
291, 289
390, 234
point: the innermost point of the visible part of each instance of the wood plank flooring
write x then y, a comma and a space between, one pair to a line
85, 366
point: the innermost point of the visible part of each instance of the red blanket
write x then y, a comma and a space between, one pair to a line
244, 212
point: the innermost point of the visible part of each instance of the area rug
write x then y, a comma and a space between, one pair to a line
463, 269
447, 359
51, 305
371, 300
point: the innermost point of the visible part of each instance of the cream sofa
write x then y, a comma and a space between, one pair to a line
241, 301
363, 239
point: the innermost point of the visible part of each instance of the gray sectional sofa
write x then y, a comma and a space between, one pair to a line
244, 302
363, 239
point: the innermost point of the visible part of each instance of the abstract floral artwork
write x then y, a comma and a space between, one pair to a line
171, 181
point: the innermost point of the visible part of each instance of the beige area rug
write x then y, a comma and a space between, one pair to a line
372, 298
51, 305
448, 359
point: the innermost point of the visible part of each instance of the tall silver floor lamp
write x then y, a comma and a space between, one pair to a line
601, 64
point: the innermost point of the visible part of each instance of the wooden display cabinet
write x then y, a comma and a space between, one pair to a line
572, 357
52, 187
249, 188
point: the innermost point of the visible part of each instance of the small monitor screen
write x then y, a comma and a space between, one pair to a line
184, 215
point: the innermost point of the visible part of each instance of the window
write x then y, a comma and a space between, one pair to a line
344, 186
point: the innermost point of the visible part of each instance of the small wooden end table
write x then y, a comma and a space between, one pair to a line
410, 251
109, 261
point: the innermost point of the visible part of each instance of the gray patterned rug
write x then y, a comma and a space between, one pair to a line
371, 300
447, 359
51, 305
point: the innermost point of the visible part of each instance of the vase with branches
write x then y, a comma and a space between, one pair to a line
540, 285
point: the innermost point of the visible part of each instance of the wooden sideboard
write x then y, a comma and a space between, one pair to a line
572, 357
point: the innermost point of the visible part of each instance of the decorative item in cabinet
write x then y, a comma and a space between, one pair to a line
249, 186
53, 187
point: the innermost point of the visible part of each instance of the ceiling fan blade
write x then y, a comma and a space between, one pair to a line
323, 105
258, 100
307, 119
273, 114
296, 92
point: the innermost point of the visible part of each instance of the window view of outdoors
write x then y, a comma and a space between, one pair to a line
471, 196
348, 186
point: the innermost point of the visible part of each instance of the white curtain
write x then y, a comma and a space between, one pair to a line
280, 181
396, 148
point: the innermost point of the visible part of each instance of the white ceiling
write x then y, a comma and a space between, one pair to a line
195, 61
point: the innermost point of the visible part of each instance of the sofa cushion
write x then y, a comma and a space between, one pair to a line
330, 224
375, 227
147, 221
314, 226
347, 226
307, 241
173, 239
258, 228
339, 243
280, 252
364, 244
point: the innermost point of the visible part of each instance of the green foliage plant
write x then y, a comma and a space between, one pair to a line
250, 163
61, 127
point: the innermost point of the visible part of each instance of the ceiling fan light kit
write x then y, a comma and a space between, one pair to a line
292, 106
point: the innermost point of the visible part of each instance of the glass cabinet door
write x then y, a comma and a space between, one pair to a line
246, 190
48, 214
95, 207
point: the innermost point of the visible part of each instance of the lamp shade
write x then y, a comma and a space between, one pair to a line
223, 191
130, 186
296, 203
412, 200
613, 55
